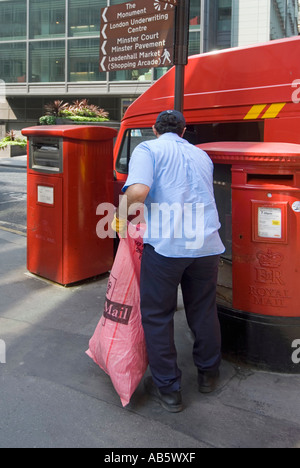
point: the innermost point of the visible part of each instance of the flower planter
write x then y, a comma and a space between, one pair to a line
11, 151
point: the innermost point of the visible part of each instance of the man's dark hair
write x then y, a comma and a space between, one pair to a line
169, 124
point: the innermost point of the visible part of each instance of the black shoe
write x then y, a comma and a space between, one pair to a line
208, 381
171, 402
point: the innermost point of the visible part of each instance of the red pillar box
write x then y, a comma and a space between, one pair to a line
70, 172
266, 230
260, 316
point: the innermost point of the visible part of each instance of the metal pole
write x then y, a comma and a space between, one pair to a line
179, 88
181, 51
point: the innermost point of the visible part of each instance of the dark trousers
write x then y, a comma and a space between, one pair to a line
160, 278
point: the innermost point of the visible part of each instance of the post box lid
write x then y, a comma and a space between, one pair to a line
72, 132
229, 152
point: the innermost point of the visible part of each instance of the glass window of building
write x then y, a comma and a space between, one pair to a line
224, 15
47, 19
144, 74
195, 22
224, 19
47, 62
84, 60
13, 62
84, 17
116, 2
195, 14
13, 20
159, 72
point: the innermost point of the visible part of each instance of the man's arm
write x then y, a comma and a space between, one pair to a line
135, 194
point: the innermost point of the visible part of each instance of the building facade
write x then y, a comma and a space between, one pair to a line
237, 23
50, 50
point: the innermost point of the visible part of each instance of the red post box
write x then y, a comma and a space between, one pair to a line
266, 236
70, 172
263, 320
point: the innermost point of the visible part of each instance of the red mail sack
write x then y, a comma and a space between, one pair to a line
118, 344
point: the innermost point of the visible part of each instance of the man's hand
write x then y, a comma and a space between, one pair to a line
119, 226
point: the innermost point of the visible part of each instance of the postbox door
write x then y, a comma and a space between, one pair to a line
44, 226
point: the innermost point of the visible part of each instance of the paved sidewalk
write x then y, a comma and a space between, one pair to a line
53, 395
18, 161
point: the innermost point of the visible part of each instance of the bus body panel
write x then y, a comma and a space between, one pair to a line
244, 94
254, 83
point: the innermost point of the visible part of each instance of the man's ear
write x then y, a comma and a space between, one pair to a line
155, 132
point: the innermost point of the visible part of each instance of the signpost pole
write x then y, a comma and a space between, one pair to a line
181, 51
179, 88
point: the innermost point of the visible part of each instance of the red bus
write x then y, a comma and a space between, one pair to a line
241, 94
249, 94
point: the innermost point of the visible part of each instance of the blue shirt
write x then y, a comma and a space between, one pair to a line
180, 209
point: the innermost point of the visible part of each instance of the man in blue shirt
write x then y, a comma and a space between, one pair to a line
182, 246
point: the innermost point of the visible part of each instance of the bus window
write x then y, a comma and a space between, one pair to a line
131, 140
225, 131
195, 134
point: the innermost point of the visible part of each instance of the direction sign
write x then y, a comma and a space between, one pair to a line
137, 34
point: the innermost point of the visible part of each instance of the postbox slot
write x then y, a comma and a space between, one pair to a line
46, 155
273, 179
222, 189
